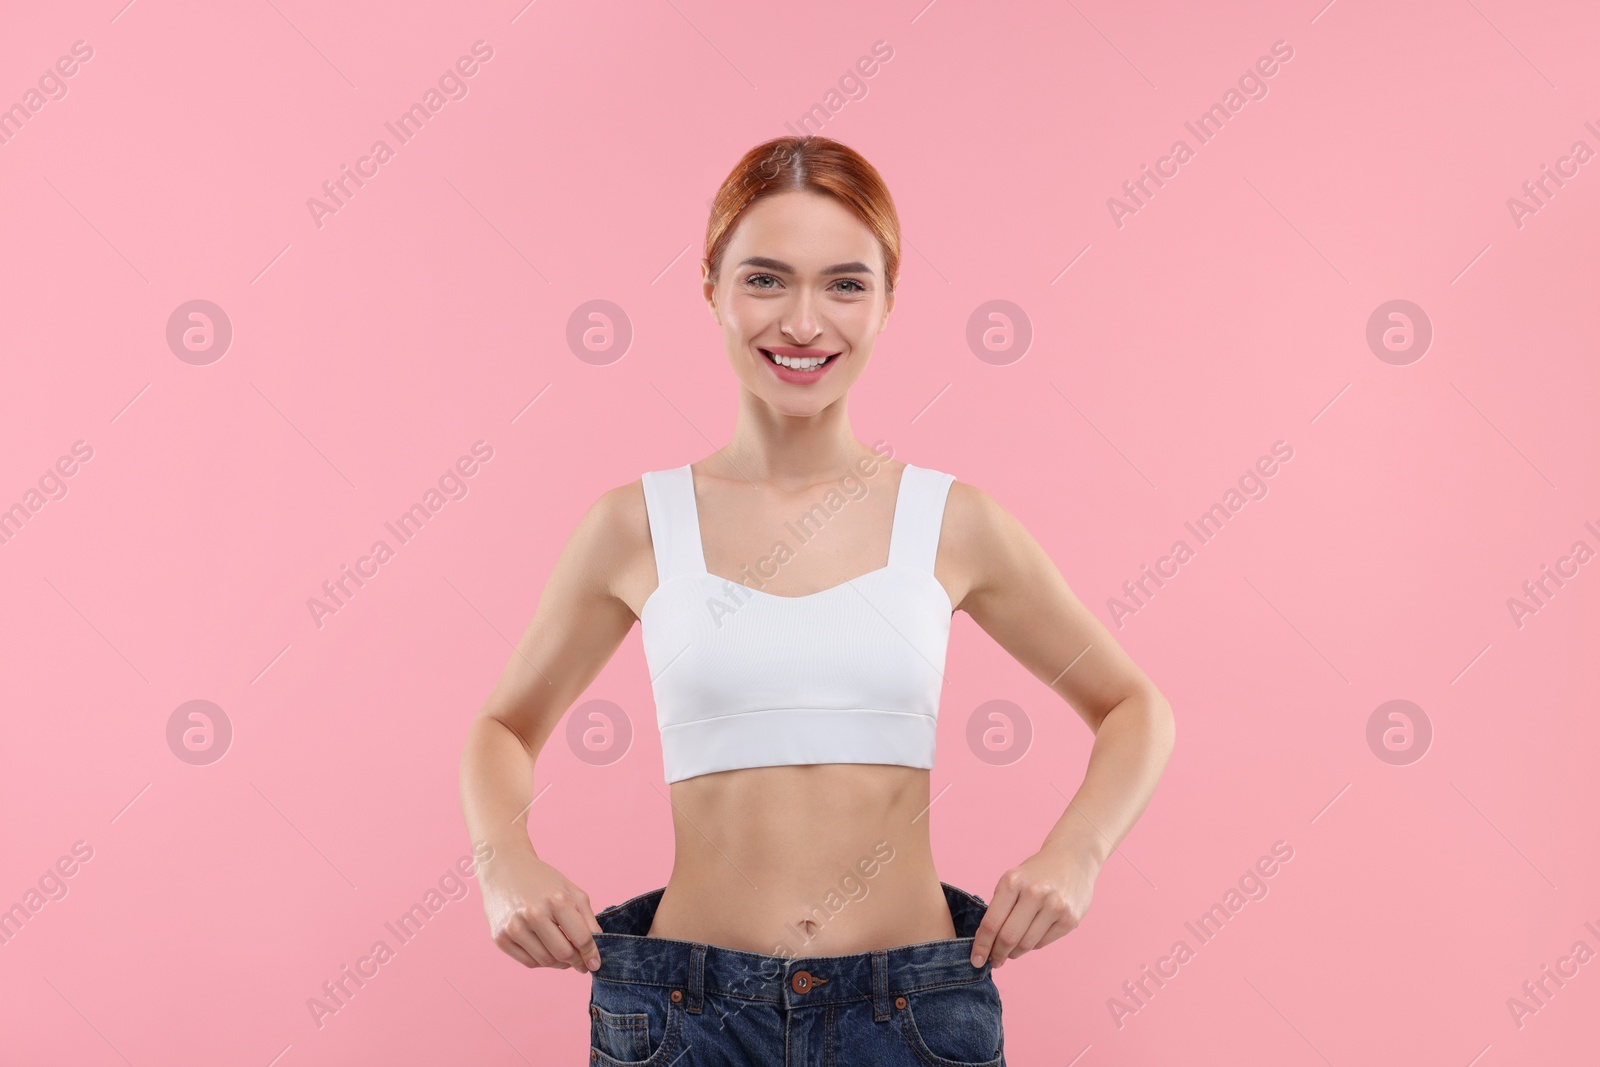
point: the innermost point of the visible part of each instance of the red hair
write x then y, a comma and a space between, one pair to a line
814, 164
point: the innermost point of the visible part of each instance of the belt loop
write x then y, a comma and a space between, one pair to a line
697, 977
880, 984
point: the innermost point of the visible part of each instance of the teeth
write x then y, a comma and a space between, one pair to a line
797, 364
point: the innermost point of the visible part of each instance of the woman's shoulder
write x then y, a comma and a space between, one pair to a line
610, 531
965, 503
975, 524
619, 512
621, 516
610, 546
980, 541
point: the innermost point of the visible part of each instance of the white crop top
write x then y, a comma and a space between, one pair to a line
745, 678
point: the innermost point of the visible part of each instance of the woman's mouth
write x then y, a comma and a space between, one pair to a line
792, 366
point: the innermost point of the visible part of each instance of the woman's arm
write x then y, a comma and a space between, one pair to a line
1020, 599
535, 914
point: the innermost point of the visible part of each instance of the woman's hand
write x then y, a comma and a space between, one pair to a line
537, 916
1035, 902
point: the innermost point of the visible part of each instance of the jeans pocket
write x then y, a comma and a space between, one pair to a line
623, 1037
953, 1026
631, 1025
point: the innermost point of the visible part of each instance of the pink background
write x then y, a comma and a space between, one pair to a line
433, 309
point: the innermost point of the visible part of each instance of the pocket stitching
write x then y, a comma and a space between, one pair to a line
625, 1026
632, 1018
668, 1041
920, 1049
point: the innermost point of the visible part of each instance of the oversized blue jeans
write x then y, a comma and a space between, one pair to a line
657, 1001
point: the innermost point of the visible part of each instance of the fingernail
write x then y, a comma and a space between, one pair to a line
594, 963
977, 959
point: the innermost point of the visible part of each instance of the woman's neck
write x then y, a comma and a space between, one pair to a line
792, 452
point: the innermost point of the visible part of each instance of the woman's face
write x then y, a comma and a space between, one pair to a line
802, 277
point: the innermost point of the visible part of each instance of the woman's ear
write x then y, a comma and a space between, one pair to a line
708, 289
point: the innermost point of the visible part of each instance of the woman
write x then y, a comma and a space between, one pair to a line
796, 663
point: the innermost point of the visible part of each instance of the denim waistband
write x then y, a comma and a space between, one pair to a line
627, 954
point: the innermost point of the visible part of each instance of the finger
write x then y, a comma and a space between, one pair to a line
1011, 931
1042, 924
1005, 895
519, 936
517, 952
570, 918
555, 942
590, 922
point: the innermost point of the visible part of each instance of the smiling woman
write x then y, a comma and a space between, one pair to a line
812, 200
798, 731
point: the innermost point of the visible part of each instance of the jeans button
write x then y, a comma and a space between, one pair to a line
800, 982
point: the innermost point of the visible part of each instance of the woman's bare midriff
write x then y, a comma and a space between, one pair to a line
812, 860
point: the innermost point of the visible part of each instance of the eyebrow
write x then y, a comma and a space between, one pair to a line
779, 265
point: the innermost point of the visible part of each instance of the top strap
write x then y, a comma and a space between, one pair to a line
674, 522
918, 517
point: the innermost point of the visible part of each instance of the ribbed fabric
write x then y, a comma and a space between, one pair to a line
849, 674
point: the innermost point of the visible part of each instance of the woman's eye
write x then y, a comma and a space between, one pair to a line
759, 281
